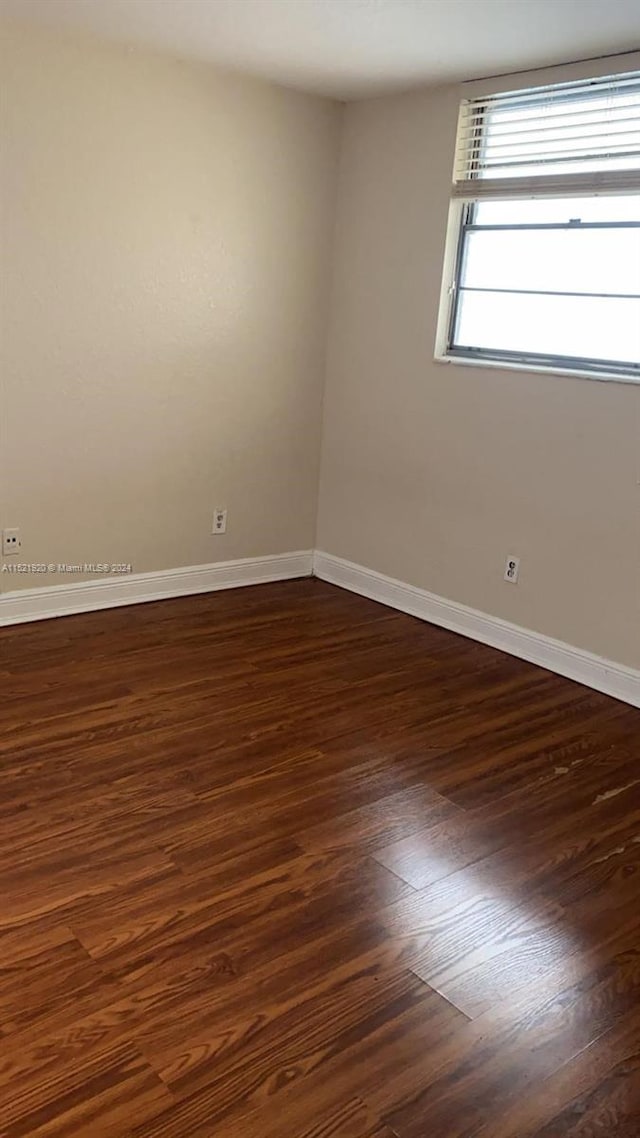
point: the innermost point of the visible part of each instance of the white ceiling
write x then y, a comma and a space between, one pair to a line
351, 48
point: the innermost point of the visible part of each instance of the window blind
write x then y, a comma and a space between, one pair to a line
569, 140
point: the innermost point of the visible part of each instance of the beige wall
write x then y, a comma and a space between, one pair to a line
165, 271
434, 473
164, 300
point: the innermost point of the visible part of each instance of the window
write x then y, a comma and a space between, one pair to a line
547, 265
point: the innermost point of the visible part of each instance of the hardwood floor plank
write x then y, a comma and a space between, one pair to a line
409, 1015
285, 863
105, 1093
299, 899
48, 978
390, 818
506, 1055
601, 1079
527, 827
482, 934
351, 1120
612, 1107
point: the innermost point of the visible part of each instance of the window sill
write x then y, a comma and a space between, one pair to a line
506, 365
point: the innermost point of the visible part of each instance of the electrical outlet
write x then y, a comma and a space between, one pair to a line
512, 570
10, 542
219, 520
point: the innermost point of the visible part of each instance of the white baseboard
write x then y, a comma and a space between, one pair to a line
110, 592
586, 668
595, 672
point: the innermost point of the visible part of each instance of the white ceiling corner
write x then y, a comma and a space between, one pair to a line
354, 48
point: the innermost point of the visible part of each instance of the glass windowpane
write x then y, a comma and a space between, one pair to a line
580, 327
554, 260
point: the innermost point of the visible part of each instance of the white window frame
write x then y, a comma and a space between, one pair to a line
461, 207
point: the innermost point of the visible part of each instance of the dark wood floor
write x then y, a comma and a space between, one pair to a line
283, 863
